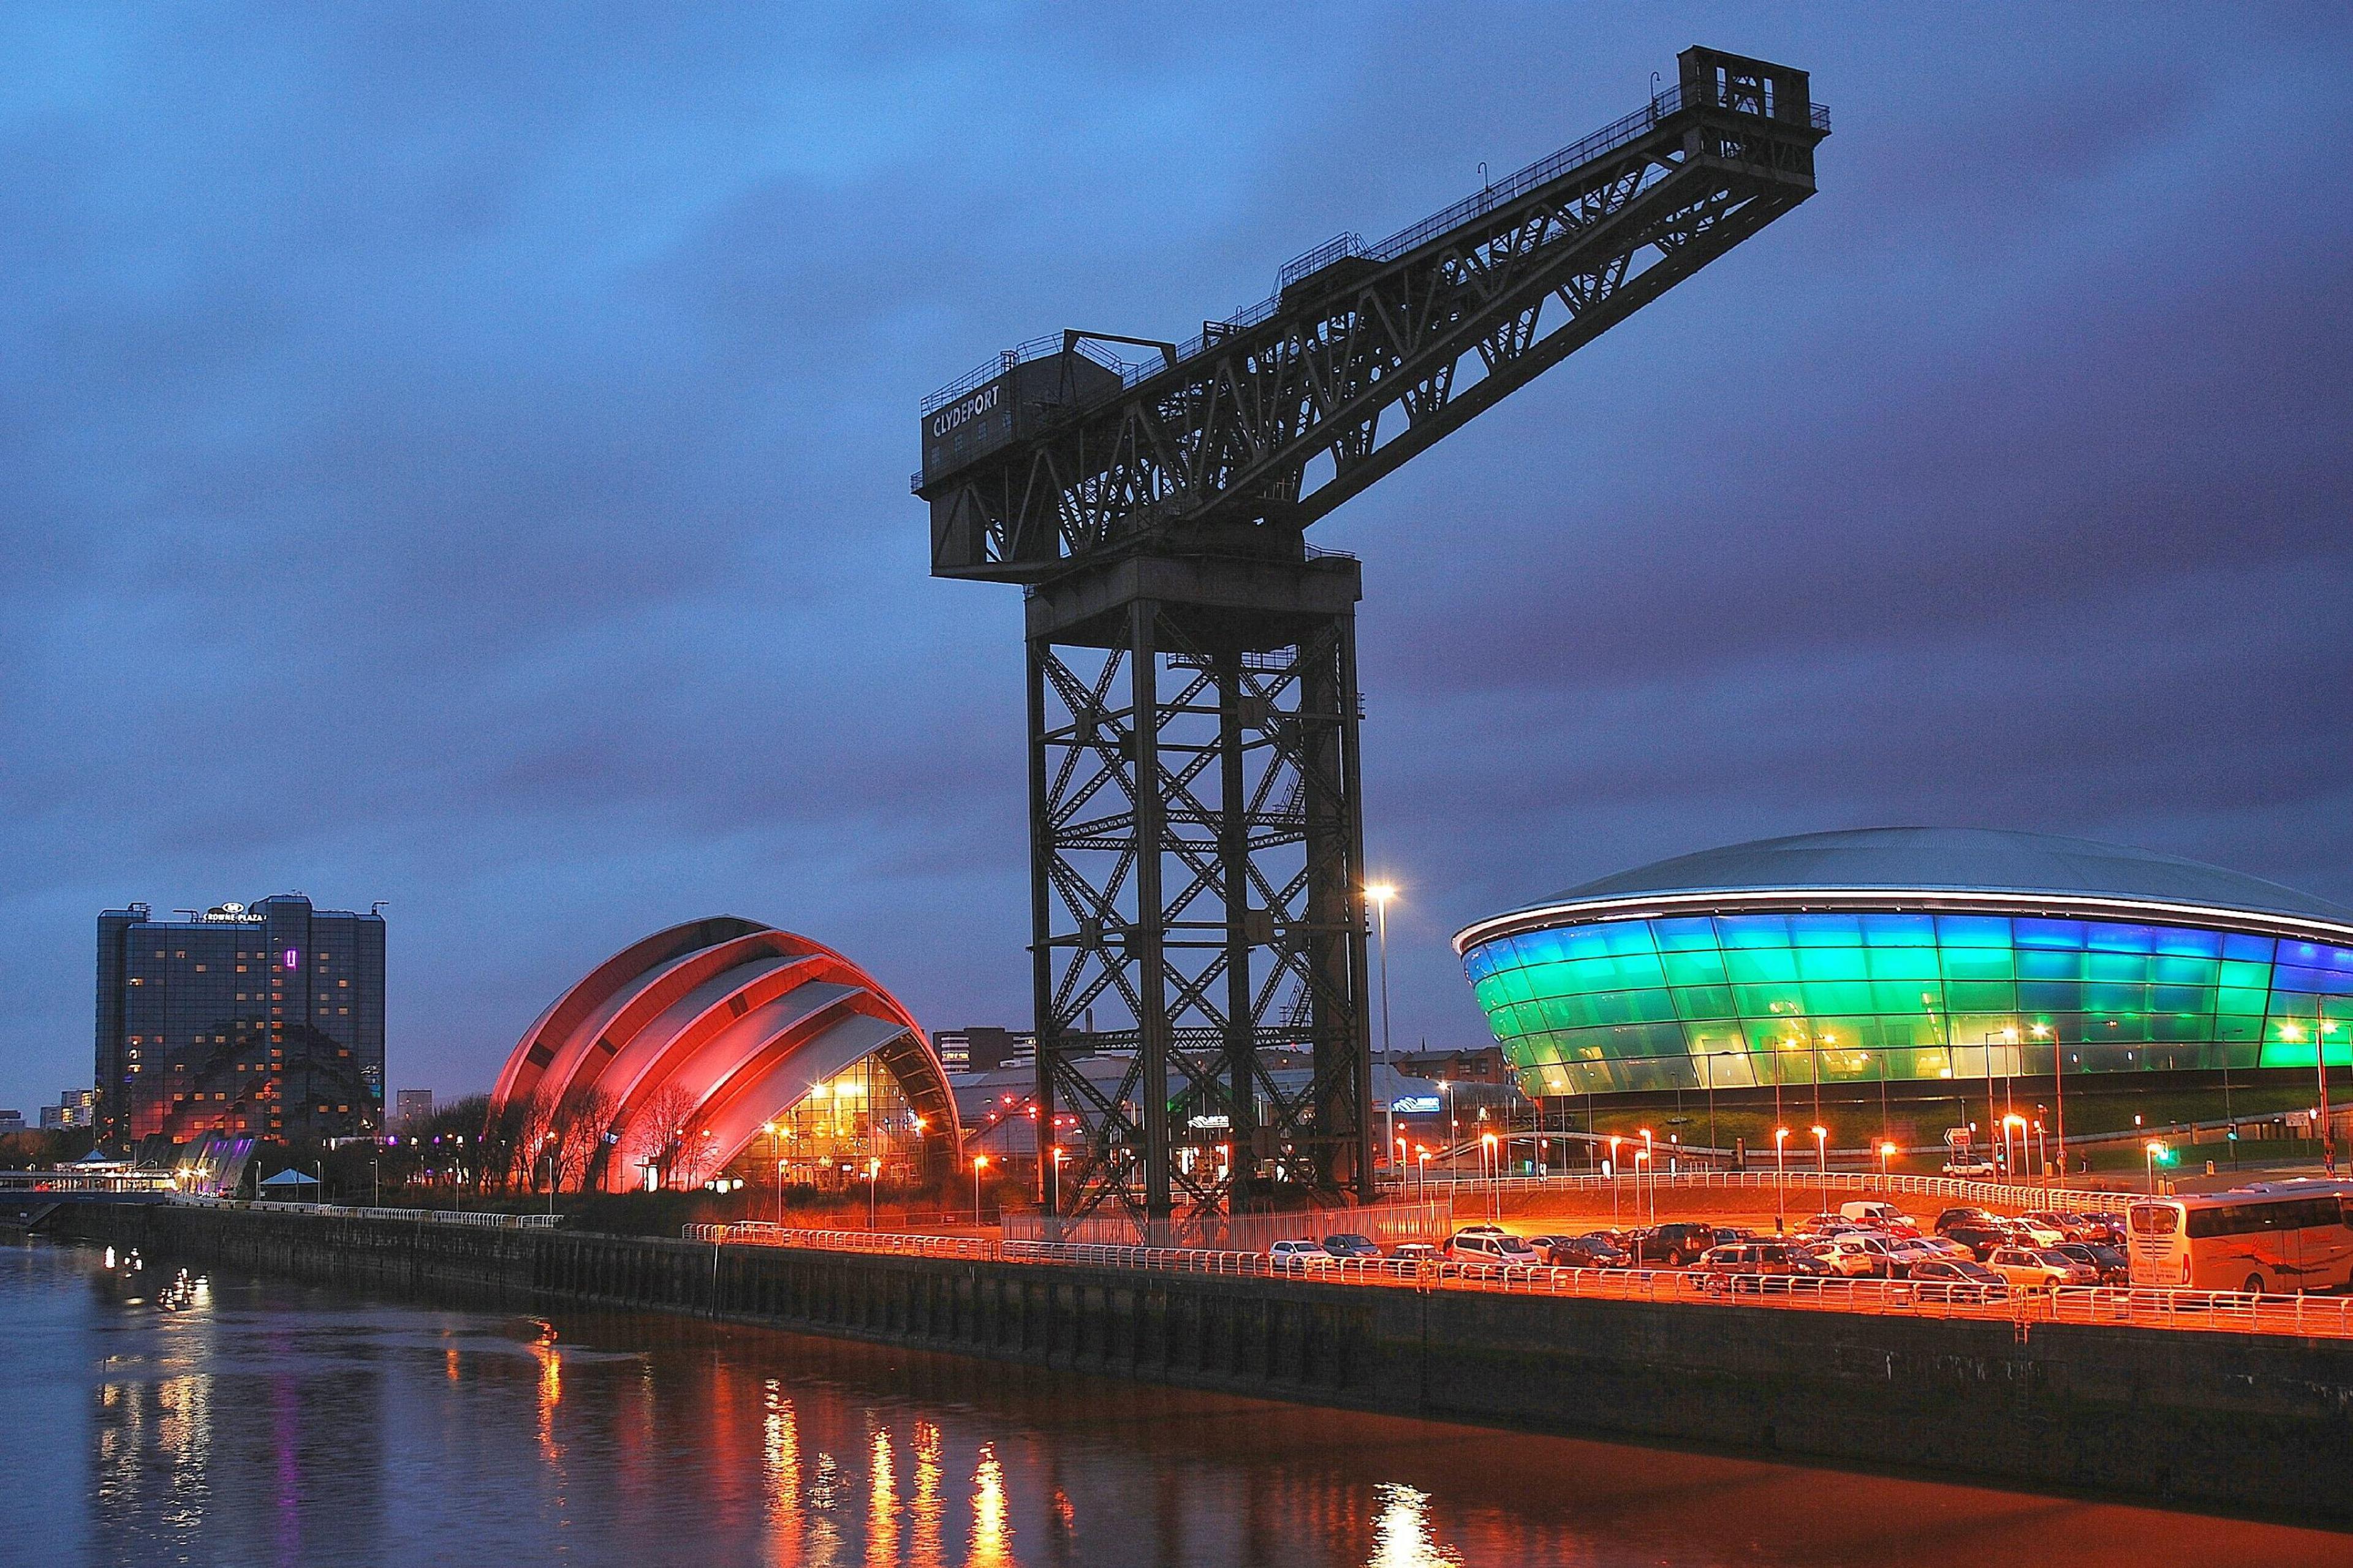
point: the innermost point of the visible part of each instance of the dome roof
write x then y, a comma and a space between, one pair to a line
1943, 860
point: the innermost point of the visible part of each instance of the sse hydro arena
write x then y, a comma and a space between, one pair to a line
1904, 955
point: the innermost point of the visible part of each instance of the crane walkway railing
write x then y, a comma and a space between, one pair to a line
2327, 1316
1486, 199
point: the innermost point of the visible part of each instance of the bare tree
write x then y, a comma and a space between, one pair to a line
578, 1127
664, 1129
537, 1136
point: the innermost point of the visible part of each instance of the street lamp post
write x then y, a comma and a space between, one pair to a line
874, 1173
979, 1163
776, 1158
1711, 1099
1381, 893
1490, 1155
1886, 1153
2012, 1121
2153, 1149
1780, 1178
1823, 1154
1453, 1124
1613, 1180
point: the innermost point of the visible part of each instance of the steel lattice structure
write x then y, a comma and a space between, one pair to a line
1197, 839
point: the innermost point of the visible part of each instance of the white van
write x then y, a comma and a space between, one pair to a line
1867, 1210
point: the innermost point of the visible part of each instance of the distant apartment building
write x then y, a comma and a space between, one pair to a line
11, 1121
75, 1107
411, 1109
980, 1049
266, 1020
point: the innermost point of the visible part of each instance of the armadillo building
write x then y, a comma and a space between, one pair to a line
1911, 953
723, 1039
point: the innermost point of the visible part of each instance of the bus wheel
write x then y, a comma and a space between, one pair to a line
2254, 1285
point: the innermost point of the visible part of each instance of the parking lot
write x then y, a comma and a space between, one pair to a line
1961, 1259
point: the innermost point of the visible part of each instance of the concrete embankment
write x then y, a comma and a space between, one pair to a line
2251, 1423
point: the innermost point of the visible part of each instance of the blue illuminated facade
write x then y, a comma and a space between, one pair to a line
1737, 986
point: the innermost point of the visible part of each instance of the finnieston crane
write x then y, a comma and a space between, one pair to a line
1197, 837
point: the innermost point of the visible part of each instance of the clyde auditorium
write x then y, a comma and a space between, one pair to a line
1900, 955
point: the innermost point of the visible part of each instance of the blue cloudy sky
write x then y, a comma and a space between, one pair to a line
457, 455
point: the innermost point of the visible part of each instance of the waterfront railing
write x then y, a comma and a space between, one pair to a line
481, 1217
2328, 1317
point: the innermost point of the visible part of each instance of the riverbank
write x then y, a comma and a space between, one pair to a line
2250, 1424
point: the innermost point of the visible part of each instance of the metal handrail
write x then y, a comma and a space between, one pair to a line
2312, 1316
414, 1216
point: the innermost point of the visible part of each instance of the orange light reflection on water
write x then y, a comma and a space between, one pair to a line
881, 1503
992, 1535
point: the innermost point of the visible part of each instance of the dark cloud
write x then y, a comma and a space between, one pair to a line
460, 460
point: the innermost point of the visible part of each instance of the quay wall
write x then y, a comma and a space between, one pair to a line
2248, 1423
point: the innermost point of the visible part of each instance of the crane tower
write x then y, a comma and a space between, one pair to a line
1196, 838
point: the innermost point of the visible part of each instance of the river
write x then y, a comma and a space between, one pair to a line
149, 1417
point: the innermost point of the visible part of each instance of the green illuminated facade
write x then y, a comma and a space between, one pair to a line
1597, 993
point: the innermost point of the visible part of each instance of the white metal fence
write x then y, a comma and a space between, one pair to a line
1391, 1223
1949, 1190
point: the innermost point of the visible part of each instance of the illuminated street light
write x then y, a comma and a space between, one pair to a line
1822, 1153
2157, 1151
979, 1163
1381, 893
1780, 1177
1886, 1153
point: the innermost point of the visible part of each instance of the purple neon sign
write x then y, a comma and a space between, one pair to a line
294, 958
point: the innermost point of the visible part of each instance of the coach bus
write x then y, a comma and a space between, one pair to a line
2272, 1236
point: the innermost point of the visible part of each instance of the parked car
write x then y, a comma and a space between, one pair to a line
1822, 1225
1905, 1252
1858, 1255
1415, 1253
2040, 1268
1879, 1216
2114, 1267
1757, 1266
1586, 1252
1496, 1247
1981, 1239
1675, 1245
1971, 1167
2071, 1225
1289, 1255
1945, 1246
1950, 1280
1348, 1244
2034, 1232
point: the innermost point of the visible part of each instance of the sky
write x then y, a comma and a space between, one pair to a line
457, 456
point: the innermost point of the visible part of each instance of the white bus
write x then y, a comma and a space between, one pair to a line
2275, 1236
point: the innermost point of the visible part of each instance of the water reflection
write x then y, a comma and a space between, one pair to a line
882, 1501
273, 1424
1401, 1534
992, 1538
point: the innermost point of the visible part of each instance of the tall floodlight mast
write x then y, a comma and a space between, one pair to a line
1197, 842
